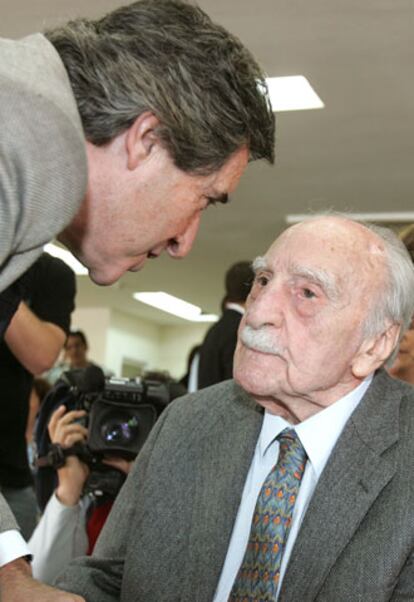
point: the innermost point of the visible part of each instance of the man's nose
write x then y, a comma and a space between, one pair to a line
266, 308
180, 245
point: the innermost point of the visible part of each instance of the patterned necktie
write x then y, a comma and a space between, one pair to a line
258, 576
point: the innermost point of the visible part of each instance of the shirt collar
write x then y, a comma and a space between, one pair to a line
235, 307
320, 432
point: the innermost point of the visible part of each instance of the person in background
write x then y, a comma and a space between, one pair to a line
31, 344
71, 521
217, 349
75, 357
291, 482
76, 350
116, 134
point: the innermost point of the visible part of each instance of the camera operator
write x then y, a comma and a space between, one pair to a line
71, 521
75, 357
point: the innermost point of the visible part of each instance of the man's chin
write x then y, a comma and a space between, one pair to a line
110, 274
103, 277
252, 384
101, 280
258, 373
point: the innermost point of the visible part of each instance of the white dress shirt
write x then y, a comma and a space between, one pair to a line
12, 546
318, 435
193, 375
235, 307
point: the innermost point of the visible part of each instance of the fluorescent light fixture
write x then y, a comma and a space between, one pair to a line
67, 257
174, 305
292, 93
391, 217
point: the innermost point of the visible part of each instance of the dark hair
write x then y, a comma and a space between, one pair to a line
167, 57
238, 281
79, 334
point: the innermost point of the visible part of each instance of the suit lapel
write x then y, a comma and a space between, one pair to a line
361, 464
224, 460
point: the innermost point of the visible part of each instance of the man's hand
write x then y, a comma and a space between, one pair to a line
64, 429
121, 464
18, 585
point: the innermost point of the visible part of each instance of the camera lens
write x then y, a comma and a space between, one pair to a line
120, 430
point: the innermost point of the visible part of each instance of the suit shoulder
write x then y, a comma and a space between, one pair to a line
407, 402
206, 405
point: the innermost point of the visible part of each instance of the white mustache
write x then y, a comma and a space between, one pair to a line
260, 339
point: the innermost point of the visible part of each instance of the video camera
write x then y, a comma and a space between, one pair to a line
120, 414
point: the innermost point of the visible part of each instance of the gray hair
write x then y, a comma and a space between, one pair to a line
167, 57
397, 303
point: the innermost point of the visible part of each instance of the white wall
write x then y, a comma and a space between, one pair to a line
115, 337
131, 338
175, 345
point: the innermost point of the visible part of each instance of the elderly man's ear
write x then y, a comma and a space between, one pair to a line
374, 351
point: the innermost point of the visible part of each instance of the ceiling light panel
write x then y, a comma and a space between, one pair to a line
175, 306
292, 93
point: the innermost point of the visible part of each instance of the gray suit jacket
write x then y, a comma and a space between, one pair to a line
167, 536
43, 168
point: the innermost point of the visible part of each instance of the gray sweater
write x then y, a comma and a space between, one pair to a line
43, 168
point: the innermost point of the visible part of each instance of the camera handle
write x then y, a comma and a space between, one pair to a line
56, 456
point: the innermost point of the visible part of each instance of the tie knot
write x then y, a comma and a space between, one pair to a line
290, 445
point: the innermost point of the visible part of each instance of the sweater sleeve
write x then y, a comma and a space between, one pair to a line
43, 174
59, 537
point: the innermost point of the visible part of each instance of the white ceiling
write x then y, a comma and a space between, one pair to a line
356, 154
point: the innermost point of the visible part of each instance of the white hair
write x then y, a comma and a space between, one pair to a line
396, 304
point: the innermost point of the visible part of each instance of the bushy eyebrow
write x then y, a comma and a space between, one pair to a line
260, 263
319, 277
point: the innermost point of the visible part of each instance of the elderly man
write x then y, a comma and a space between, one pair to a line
293, 482
115, 135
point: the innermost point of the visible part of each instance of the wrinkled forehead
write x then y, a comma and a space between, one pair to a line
347, 252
